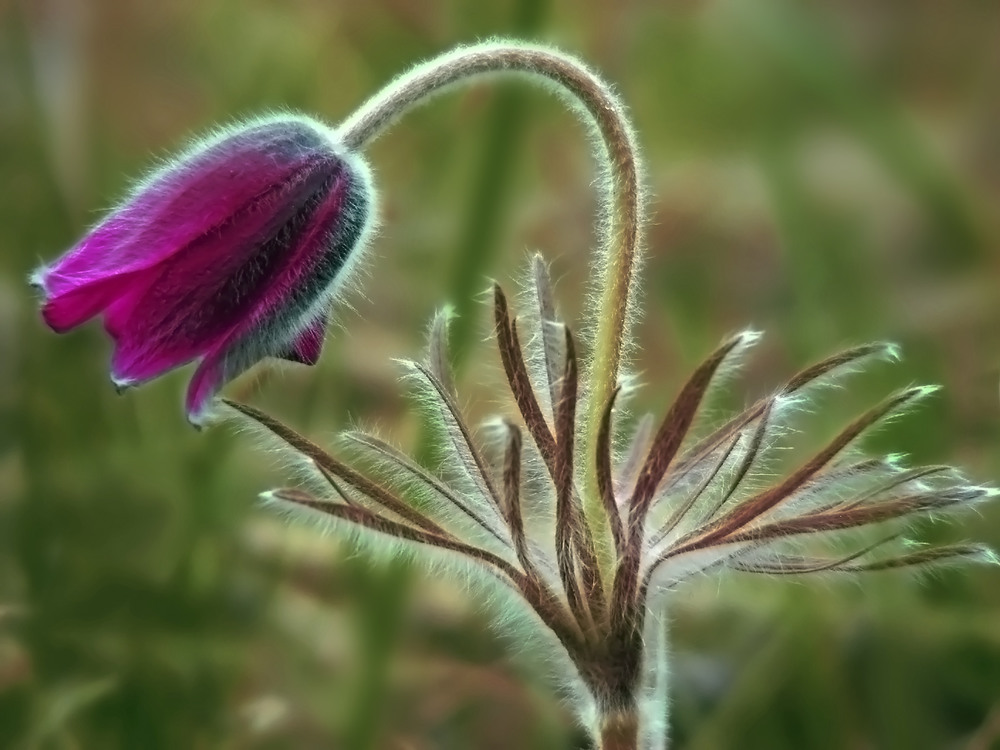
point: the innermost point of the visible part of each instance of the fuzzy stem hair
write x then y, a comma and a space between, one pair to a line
619, 220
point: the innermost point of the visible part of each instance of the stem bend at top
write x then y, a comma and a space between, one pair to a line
620, 217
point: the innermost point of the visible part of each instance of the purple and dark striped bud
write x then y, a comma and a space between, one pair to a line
229, 254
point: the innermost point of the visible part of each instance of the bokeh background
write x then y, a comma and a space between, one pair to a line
827, 171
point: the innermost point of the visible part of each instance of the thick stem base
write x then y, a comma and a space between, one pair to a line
620, 731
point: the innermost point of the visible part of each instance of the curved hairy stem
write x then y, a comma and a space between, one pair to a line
619, 221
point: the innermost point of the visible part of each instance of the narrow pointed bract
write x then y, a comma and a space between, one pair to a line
229, 254
677, 506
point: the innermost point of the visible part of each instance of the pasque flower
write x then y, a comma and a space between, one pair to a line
590, 520
228, 254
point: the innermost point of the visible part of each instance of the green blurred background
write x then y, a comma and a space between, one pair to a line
826, 171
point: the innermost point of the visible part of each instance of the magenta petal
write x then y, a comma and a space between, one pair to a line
225, 287
76, 306
200, 193
308, 345
304, 266
204, 294
105, 251
208, 379
230, 358
223, 256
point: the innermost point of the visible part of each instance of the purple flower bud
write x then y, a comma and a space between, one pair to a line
230, 254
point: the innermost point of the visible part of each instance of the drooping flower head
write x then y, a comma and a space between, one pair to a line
227, 255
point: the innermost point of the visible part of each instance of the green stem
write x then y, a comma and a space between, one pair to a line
480, 233
618, 222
